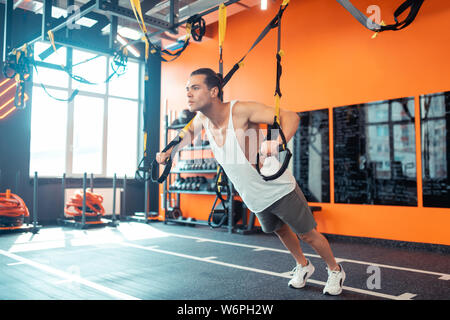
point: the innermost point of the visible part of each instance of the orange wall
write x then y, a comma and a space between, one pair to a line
332, 61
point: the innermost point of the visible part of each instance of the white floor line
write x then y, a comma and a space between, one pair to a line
68, 276
405, 296
14, 263
442, 276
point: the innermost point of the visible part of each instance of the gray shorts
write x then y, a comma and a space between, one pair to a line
292, 210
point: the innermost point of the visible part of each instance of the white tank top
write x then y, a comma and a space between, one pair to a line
256, 193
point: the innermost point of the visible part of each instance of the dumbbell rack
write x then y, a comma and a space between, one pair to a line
172, 211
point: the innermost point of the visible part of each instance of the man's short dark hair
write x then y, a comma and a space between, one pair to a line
212, 79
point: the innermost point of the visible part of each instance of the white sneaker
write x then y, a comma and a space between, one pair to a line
335, 282
301, 274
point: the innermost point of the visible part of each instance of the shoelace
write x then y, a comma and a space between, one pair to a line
297, 268
332, 276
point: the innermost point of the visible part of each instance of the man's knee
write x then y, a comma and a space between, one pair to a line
282, 231
309, 236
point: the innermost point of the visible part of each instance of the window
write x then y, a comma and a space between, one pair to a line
91, 68
127, 84
97, 132
435, 133
45, 52
87, 134
375, 154
48, 138
122, 145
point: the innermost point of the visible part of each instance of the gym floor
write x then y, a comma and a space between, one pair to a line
155, 261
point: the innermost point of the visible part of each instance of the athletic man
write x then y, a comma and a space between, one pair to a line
233, 131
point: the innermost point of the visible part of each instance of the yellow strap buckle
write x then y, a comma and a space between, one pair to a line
376, 33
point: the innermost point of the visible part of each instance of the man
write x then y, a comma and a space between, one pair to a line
279, 204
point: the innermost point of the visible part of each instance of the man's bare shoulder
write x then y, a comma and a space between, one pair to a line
246, 107
246, 104
200, 119
200, 116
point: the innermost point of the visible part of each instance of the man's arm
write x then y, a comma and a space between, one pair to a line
193, 131
260, 113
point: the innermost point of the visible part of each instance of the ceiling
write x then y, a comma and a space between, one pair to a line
155, 9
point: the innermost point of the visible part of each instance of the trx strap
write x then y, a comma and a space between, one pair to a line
136, 6
168, 164
220, 173
118, 65
222, 30
195, 27
72, 96
17, 66
221, 184
414, 6
275, 128
272, 24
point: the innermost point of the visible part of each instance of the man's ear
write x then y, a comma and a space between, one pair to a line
214, 92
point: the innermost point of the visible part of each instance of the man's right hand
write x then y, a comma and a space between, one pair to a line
162, 157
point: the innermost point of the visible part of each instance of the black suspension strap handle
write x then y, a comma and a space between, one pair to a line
168, 163
220, 185
275, 128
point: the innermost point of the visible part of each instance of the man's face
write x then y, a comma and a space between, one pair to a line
198, 93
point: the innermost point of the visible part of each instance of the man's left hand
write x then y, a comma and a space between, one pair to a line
269, 148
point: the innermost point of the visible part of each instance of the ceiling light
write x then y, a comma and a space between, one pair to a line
263, 4
129, 33
86, 22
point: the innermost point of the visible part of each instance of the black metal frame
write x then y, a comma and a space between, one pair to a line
71, 222
108, 7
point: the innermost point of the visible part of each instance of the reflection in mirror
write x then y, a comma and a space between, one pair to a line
311, 155
435, 135
374, 153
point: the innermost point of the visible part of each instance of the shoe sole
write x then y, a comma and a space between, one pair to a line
308, 275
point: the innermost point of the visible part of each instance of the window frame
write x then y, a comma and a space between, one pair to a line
68, 165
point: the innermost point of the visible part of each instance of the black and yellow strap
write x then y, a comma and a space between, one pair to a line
221, 187
413, 5
168, 164
222, 31
136, 6
19, 97
17, 67
274, 130
195, 27
119, 61
272, 24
